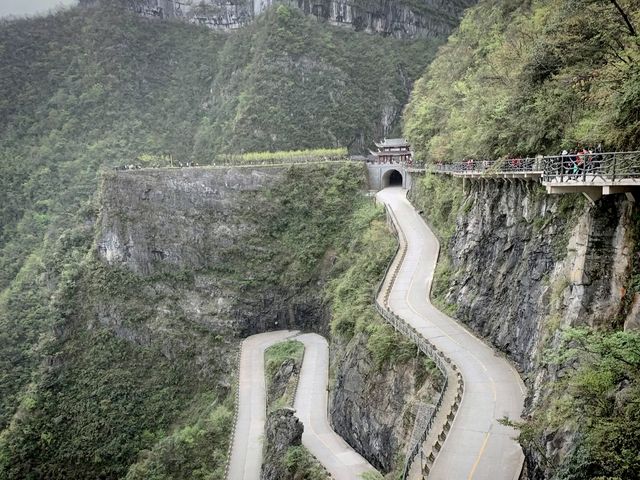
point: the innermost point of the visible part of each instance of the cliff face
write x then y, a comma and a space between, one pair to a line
525, 263
207, 223
184, 218
522, 265
402, 19
374, 408
425, 18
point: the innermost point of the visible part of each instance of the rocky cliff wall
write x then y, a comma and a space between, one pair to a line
519, 265
374, 407
214, 226
402, 19
524, 263
189, 218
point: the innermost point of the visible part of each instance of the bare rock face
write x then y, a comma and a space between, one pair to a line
285, 378
373, 408
157, 222
188, 218
283, 430
523, 260
525, 264
632, 322
425, 18
398, 18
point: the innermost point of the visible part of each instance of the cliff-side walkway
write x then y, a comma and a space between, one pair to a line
477, 447
593, 174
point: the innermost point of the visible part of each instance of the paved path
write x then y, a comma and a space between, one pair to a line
477, 447
342, 462
311, 404
246, 455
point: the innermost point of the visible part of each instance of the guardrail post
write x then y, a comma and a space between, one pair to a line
613, 174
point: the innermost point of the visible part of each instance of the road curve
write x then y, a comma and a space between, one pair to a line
340, 460
478, 447
246, 454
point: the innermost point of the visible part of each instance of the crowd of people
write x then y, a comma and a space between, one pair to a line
138, 166
579, 160
573, 161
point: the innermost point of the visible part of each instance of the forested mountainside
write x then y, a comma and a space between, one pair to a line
99, 87
85, 90
288, 82
530, 77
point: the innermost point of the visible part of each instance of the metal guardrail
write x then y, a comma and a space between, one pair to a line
235, 413
427, 348
513, 165
607, 167
591, 167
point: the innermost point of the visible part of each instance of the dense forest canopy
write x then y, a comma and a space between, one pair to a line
532, 77
86, 90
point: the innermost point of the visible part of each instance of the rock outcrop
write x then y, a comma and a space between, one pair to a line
200, 223
283, 382
372, 408
177, 218
283, 430
402, 19
524, 264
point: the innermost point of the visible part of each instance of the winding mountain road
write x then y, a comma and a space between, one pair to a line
478, 447
340, 460
246, 454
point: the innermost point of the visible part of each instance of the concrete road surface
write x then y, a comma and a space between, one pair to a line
311, 404
477, 447
342, 462
246, 455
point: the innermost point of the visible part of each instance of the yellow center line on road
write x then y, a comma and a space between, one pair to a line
477, 462
493, 387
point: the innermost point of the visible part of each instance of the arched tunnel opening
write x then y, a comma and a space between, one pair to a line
393, 178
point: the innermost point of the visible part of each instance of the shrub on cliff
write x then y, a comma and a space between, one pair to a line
596, 398
522, 78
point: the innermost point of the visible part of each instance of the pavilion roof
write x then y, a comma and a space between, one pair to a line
393, 143
377, 154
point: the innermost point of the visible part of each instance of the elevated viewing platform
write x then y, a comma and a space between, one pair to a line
593, 174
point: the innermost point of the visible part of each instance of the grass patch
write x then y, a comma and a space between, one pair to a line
280, 396
301, 464
277, 354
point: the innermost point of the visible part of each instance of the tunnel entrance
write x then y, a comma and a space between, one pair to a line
392, 178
